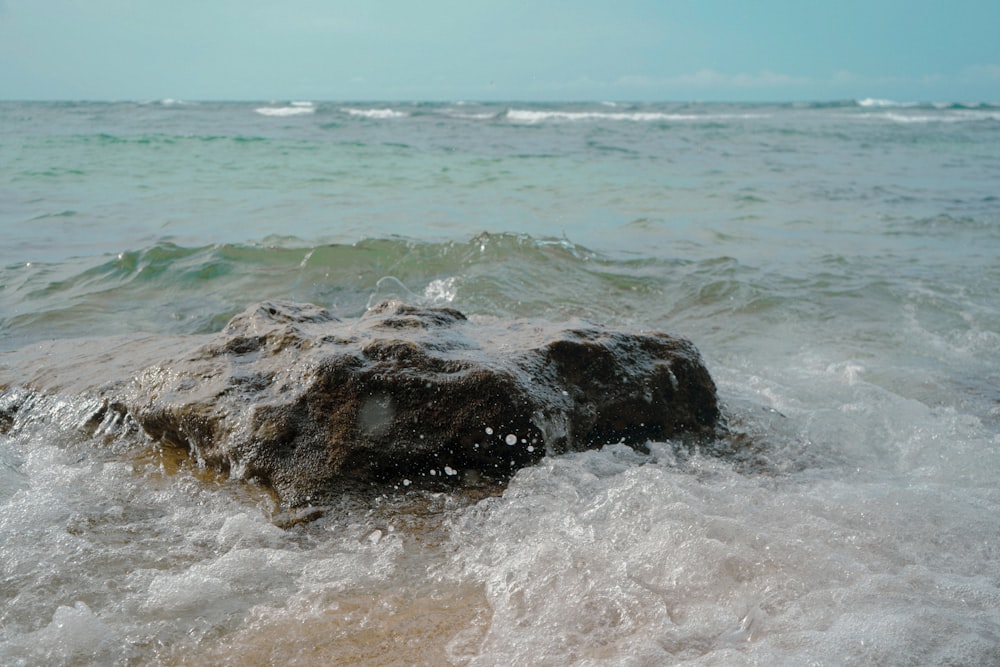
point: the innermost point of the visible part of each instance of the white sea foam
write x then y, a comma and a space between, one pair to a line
633, 561
947, 116
537, 116
300, 108
914, 113
871, 102
379, 114
463, 114
531, 116
441, 290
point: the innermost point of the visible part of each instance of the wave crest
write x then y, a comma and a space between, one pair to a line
293, 109
375, 114
531, 116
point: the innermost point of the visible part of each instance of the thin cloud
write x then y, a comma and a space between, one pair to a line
981, 74
844, 78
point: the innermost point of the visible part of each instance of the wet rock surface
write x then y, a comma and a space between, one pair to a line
310, 405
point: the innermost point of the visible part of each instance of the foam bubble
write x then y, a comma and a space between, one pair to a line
441, 290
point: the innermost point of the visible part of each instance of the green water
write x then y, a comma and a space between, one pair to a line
836, 265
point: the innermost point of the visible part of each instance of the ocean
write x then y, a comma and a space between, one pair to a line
837, 265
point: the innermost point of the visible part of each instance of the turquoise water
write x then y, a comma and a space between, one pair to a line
837, 265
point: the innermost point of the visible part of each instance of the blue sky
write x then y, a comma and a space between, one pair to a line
748, 50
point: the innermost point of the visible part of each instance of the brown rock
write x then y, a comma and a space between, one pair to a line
308, 404
289, 395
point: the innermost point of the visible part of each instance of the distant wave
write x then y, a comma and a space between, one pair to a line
949, 116
872, 102
540, 116
374, 113
293, 109
876, 103
462, 114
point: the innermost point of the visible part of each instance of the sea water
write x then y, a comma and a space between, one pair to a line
838, 266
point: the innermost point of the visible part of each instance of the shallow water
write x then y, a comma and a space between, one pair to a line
835, 264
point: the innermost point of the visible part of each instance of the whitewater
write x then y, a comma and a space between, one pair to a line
836, 264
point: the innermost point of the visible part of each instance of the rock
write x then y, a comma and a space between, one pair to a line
291, 396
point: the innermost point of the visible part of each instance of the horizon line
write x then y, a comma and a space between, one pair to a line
864, 101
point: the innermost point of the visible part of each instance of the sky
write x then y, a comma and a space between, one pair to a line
448, 50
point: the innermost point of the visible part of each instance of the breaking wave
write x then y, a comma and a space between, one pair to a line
293, 109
